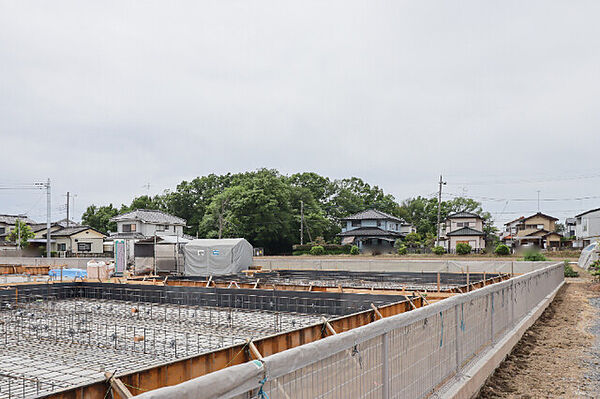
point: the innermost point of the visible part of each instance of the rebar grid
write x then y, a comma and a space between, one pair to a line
50, 344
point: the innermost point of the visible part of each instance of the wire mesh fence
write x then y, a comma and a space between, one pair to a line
410, 355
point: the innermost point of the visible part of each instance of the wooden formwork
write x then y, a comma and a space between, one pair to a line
24, 269
185, 369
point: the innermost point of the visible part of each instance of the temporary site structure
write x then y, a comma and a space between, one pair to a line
205, 257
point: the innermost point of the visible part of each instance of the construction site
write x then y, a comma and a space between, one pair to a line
130, 336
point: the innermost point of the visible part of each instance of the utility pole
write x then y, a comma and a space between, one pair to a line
301, 222
439, 212
67, 209
48, 216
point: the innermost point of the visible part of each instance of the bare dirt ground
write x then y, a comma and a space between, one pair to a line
559, 356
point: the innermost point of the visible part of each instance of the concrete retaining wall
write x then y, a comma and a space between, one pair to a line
71, 263
398, 265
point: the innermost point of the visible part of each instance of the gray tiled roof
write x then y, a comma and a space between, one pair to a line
373, 214
465, 231
150, 216
12, 219
69, 231
369, 231
463, 214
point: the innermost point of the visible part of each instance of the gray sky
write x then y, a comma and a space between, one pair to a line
104, 97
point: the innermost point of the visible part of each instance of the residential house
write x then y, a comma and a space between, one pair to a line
141, 224
8, 222
374, 231
463, 227
148, 223
587, 228
570, 227
538, 229
77, 240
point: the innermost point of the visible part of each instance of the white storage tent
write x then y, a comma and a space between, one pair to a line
205, 257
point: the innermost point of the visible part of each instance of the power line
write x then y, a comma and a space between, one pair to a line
484, 198
527, 181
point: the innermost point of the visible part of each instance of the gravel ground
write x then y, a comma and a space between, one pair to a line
559, 356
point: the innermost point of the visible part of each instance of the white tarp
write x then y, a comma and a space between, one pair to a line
206, 257
589, 254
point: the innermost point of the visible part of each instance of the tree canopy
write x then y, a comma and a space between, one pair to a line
25, 234
263, 206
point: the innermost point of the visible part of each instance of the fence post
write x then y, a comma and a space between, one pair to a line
385, 366
492, 317
512, 303
457, 331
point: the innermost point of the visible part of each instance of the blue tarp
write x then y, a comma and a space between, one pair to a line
68, 273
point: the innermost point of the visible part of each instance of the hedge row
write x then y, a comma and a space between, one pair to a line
330, 249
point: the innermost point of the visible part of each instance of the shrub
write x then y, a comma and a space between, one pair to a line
438, 250
317, 250
502, 250
354, 250
569, 272
534, 256
462, 248
402, 250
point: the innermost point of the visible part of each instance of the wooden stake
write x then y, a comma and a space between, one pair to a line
209, 280
468, 276
377, 312
424, 299
438, 282
118, 385
411, 302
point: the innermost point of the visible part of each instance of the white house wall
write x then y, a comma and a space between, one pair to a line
588, 225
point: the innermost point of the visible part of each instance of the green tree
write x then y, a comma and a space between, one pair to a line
462, 248
439, 250
502, 250
99, 218
21, 231
412, 240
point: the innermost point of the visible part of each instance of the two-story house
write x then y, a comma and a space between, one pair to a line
587, 228
538, 229
374, 231
8, 223
142, 224
463, 227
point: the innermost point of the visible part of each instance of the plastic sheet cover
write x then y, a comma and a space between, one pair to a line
206, 257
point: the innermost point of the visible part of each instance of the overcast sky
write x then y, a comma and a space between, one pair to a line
104, 97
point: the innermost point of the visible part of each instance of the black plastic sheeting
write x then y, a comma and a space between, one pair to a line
326, 303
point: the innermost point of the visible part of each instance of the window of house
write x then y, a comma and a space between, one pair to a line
378, 223
84, 247
2, 230
356, 223
459, 224
396, 226
127, 228
61, 247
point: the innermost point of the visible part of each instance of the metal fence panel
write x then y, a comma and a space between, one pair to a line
409, 355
